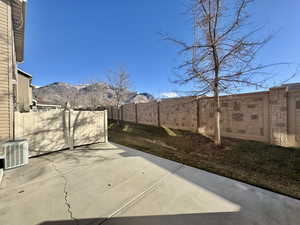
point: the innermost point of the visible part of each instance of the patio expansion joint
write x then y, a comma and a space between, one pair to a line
140, 196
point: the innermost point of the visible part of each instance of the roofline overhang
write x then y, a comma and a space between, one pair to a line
24, 73
18, 17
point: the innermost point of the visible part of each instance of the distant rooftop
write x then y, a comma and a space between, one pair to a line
24, 73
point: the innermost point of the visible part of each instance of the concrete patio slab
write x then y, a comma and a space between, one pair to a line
113, 184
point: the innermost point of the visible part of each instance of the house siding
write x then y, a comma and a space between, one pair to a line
6, 70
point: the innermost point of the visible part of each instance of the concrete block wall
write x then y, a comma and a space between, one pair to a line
293, 117
115, 113
179, 113
129, 113
206, 116
279, 116
109, 112
243, 116
147, 113
269, 116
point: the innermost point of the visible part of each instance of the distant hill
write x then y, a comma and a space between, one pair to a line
85, 95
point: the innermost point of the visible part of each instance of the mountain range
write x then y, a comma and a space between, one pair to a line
85, 95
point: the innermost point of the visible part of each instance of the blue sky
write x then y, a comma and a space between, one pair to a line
76, 41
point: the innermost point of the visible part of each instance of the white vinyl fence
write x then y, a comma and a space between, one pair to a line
56, 130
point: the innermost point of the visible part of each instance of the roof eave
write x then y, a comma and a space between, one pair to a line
19, 16
24, 73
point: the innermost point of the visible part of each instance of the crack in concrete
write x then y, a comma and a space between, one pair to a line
67, 203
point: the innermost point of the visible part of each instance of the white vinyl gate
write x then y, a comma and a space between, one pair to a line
55, 130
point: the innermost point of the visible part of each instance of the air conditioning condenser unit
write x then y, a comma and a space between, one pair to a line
16, 153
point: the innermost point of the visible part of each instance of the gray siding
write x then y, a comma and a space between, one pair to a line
6, 68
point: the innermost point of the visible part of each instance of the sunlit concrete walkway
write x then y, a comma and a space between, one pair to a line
111, 184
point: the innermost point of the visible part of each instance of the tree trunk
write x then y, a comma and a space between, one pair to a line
118, 115
217, 138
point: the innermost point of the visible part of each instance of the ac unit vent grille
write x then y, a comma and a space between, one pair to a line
15, 154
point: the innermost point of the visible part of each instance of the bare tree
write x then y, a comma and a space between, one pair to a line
119, 83
94, 95
72, 99
89, 96
222, 56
